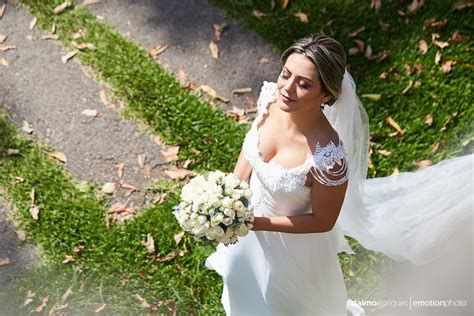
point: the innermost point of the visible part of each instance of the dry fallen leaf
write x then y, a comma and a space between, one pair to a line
90, 113
142, 301
408, 87
5, 262
383, 25
418, 68
209, 90
4, 62
42, 305
302, 16
2, 9
395, 125
149, 243
179, 173
129, 187
120, 167
284, 4
100, 308
171, 256
446, 66
68, 56
455, 38
66, 294
462, 4
80, 33
59, 156
264, 60
376, 4
21, 235
242, 91
353, 51
178, 237
78, 248
423, 164
218, 29
68, 258
170, 153
236, 112
155, 51
383, 75
384, 152
423, 46
108, 188
438, 57
103, 97
32, 196
182, 77
62, 7
448, 120
33, 23
258, 14
4, 48
214, 50
89, 2
415, 6
372, 96
141, 159
83, 46
11, 152
26, 127
356, 32
50, 37
3, 38
160, 199
436, 147
428, 119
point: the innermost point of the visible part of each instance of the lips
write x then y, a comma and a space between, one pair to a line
285, 98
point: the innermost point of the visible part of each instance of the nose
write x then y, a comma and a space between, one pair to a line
290, 86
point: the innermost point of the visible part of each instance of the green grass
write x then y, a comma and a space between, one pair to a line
151, 94
438, 94
71, 217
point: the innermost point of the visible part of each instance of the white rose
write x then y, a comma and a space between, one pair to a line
229, 212
242, 231
214, 202
238, 206
227, 221
227, 202
202, 219
217, 219
193, 216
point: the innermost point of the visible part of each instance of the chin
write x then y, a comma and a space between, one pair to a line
287, 106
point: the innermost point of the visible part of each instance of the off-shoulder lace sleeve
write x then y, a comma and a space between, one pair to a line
330, 164
266, 96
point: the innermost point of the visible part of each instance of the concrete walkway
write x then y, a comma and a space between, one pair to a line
50, 96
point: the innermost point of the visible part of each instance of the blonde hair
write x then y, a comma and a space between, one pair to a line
327, 55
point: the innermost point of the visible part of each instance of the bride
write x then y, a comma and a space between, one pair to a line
305, 157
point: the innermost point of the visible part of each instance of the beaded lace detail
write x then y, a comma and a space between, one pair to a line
277, 178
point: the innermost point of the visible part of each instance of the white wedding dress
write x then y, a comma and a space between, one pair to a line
415, 217
274, 273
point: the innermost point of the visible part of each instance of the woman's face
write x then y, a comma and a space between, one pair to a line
299, 85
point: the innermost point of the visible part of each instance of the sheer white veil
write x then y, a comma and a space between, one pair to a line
414, 216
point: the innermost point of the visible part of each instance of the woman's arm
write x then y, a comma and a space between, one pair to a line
242, 168
326, 202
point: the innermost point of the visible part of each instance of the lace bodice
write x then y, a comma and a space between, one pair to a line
282, 187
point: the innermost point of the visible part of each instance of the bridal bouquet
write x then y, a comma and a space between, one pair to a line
215, 206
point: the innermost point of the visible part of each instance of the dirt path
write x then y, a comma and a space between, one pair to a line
187, 27
38, 88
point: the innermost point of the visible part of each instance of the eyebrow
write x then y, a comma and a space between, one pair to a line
284, 67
